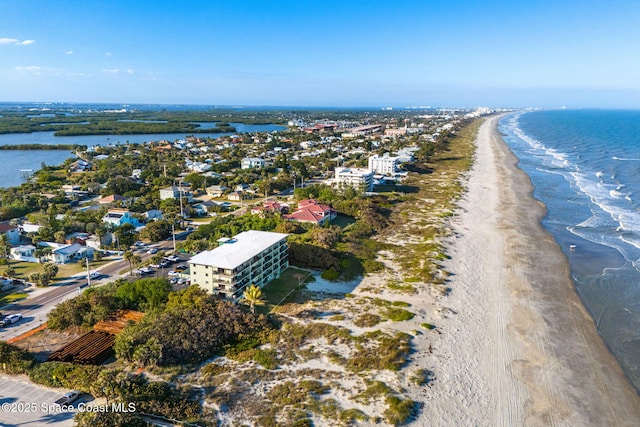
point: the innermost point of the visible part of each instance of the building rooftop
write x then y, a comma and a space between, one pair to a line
238, 250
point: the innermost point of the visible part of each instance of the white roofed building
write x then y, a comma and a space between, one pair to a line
355, 177
252, 162
251, 257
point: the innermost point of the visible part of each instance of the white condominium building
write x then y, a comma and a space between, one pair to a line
384, 165
355, 177
251, 257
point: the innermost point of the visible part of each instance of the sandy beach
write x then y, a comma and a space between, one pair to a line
520, 348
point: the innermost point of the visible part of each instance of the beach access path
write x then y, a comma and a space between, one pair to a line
521, 349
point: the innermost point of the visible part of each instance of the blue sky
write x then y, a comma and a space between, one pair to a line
575, 53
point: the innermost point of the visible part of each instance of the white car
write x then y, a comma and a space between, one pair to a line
12, 318
94, 275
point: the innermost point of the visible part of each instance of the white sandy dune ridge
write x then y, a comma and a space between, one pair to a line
512, 344
520, 348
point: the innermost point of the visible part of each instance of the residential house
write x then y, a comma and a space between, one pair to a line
153, 214
216, 190
11, 231
68, 253
24, 253
174, 192
118, 217
311, 211
205, 208
251, 257
270, 207
235, 196
112, 199
80, 165
252, 162
406, 154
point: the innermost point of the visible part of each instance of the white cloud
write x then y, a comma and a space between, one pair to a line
16, 42
69, 52
118, 71
107, 54
33, 68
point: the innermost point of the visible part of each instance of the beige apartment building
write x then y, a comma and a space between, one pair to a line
251, 257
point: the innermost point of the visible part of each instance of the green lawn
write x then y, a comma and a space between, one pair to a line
277, 291
343, 220
25, 269
11, 297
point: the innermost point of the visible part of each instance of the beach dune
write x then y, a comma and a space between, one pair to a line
521, 350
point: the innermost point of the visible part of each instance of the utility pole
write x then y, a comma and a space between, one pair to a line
173, 233
88, 273
180, 193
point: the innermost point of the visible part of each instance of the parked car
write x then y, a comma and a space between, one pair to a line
173, 273
11, 318
181, 267
68, 398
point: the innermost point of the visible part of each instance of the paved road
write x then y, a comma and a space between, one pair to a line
41, 301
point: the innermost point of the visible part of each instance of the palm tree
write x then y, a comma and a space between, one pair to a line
4, 246
129, 256
252, 296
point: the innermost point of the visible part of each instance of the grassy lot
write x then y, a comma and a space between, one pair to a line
11, 297
25, 269
343, 220
277, 291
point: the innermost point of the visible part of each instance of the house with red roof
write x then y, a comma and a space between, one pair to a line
112, 199
309, 210
269, 207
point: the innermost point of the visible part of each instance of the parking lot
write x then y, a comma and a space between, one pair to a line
24, 404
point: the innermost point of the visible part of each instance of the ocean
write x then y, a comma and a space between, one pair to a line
585, 167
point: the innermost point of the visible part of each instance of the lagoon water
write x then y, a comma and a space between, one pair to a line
585, 167
14, 161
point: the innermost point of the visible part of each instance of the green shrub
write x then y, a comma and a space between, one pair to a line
14, 360
398, 314
352, 415
67, 375
367, 320
330, 274
398, 411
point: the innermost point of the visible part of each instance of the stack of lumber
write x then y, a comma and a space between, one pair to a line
93, 348
115, 323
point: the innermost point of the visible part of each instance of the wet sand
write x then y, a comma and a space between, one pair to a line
522, 350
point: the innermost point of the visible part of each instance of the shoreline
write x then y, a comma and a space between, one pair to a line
522, 348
